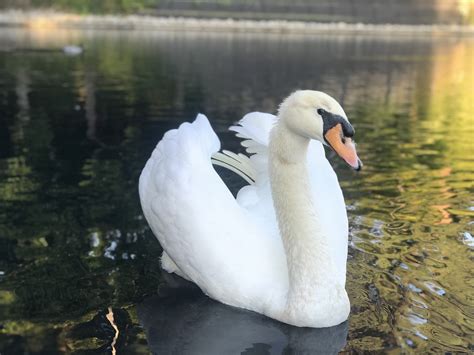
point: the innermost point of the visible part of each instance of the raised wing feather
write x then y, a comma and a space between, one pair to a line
255, 128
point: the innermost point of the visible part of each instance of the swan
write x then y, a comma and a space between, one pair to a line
280, 247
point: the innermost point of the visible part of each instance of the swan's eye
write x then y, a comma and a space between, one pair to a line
321, 111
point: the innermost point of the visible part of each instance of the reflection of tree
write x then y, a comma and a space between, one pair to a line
83, 6
90, 105
21, 90
62, 192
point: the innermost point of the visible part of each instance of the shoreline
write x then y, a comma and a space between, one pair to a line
36, 20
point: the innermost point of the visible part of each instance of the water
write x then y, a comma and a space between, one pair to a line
79, 268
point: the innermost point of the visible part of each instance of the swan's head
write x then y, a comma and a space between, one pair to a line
316, 115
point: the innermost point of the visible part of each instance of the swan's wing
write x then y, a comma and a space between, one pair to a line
256, 198
202, 228
254, 128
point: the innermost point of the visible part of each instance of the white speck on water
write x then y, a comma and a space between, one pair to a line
415, 319
95, 241
351, 207
435, 288
110, 250
419, 304
115, 234
420, 335
376, 229
72, 50
404, 266
468, 239
413, 288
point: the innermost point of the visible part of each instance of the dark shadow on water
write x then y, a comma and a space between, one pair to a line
182, 320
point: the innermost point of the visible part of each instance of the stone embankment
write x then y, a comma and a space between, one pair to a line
50, 19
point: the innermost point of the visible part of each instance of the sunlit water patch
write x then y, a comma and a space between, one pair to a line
76, 255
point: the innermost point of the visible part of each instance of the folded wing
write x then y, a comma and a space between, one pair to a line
214, 241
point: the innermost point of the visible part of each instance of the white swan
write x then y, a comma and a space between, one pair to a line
280, 247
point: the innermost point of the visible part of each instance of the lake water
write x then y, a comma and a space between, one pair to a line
79, 267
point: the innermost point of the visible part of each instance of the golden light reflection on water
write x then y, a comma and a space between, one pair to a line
110, 318
466, 8
424, 294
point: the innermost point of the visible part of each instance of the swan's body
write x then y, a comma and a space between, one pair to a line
280, 247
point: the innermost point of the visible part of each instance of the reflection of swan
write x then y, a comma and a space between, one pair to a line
234, 249
190, 323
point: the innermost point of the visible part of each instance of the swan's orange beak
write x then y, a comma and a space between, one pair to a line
343, 146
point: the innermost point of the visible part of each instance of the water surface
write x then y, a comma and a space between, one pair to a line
76, 256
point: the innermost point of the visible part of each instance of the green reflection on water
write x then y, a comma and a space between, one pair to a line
76, 131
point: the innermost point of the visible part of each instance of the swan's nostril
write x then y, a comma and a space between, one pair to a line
347, 129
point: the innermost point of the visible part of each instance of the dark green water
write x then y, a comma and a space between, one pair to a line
77, 257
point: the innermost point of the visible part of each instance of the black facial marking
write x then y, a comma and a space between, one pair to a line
330, 120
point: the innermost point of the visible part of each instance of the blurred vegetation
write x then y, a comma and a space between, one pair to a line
366, 11
83, 6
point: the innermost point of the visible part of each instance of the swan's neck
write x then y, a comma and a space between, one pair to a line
310, 265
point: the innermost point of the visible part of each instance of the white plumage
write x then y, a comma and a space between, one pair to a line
289, 265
